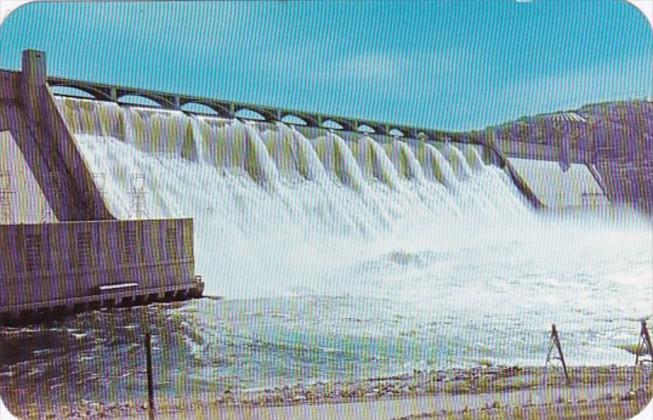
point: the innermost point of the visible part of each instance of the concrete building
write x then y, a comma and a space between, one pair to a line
61, 249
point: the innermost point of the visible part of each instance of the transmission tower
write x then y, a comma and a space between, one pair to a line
52, 196
138, 194
6, 192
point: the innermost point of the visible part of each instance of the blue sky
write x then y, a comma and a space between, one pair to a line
447, 64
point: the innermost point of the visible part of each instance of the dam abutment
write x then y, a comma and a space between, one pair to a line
79, 198
61, 249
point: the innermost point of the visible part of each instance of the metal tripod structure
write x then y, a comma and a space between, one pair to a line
644, 344
555, 343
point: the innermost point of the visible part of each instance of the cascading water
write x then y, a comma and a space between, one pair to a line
364, 256
241, 182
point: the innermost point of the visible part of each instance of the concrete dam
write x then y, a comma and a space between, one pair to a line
107, 201
62, 249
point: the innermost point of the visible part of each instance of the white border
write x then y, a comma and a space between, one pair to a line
8, 6
4, 412
645, 6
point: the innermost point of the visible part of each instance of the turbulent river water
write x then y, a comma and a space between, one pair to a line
337, 258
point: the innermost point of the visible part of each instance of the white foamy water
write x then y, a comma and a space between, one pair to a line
276, 212
431, 243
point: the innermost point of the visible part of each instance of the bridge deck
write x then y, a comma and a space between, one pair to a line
230, 109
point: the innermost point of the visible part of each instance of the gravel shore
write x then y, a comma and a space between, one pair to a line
483, 392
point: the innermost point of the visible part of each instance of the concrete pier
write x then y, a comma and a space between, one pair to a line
29, 113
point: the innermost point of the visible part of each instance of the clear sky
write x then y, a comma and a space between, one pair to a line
447, 64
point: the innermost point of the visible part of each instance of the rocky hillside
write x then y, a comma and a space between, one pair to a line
618, 136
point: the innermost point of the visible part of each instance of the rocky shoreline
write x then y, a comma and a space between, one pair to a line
486, 391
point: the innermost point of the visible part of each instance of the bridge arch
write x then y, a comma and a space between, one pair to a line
293, 119
249, 114
331, 124
364, 128
70, 89
223, 110
395, 132
199, 108
142, 100
420, 135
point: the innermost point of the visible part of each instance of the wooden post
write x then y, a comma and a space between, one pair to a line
555, 342
150, 382
645, 342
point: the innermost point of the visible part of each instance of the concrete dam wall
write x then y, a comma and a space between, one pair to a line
610, 141
30, 115
81, 173
77, 265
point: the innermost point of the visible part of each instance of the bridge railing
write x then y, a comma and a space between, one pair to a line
230, 109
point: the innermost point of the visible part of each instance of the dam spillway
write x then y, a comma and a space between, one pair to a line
270, 154
245, 183
89, 160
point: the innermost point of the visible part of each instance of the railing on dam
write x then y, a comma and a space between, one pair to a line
512, 144
230, 109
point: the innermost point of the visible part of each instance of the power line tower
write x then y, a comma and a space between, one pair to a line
6, 192
52, 195
138, 208
99, 179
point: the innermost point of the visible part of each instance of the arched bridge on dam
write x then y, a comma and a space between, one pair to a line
560, 146
498, 146
230, 110
129, 96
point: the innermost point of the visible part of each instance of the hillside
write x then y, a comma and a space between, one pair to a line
618, 136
